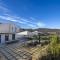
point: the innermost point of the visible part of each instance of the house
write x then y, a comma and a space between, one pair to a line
35, 33
24, 34
7, 32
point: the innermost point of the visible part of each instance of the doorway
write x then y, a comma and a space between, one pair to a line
6, 37
13, 36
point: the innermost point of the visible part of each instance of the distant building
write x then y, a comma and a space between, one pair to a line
7, 32
24, 34
35, 32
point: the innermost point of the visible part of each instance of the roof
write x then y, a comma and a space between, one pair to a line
23, 33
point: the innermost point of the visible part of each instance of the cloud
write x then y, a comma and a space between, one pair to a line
37, 25
40, 24
6, 15
23, 21
32, 18
9, 18
3, 8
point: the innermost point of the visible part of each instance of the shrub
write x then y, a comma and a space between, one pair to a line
54, 47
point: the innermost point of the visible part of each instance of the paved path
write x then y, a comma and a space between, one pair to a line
39, 53
15, 52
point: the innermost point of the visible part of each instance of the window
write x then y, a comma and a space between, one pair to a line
0, 38
6, 37
13, 36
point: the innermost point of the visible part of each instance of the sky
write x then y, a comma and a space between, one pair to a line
31, 13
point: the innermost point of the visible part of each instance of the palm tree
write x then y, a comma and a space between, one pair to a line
39, 37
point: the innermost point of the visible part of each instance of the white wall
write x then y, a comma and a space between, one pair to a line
3, 38
7, 28
24, 34
10, 37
